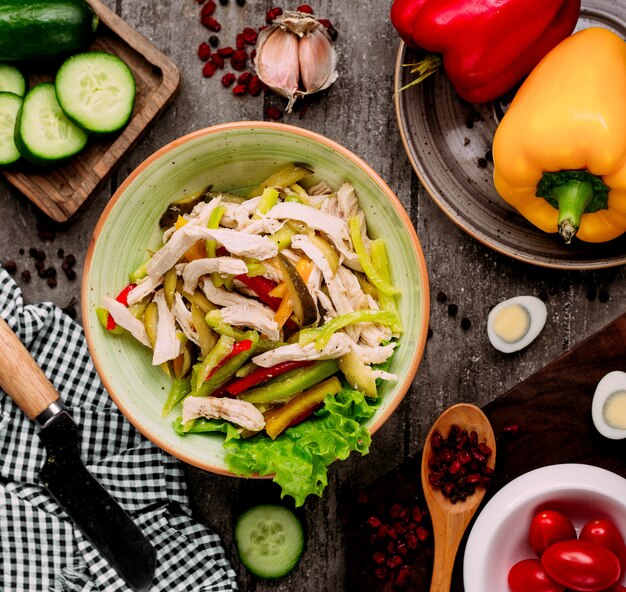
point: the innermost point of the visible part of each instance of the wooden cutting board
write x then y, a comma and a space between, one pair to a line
553, 410
60, 191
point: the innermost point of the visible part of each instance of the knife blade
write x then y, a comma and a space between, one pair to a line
109, 528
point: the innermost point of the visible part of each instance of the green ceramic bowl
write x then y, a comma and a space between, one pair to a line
232, 157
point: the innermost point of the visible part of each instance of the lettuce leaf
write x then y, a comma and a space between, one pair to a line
203, 426
300, 456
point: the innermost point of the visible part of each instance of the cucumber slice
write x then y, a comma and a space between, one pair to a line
97, 91
9, 107
269, 540
43, 134
12, 80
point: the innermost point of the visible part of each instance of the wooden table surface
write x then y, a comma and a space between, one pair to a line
357, 112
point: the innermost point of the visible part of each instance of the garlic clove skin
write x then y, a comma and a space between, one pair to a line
318, 60
277, 62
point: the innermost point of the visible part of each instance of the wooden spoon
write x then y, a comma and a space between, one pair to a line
450, 520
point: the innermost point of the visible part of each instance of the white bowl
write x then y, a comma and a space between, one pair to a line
499, 537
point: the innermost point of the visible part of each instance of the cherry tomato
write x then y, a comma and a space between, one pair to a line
529, 576
605, 534
581, 566
549, 527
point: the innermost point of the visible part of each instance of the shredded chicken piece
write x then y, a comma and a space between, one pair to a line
245, 315
199, 267
144, 288
124, 318
263, 225
327, 305
223, 297
237, 243
373, 355
384, 375
322, 188
184, 319
305, 244
239, 214
239, 412
331, 225
373, 334
338, 346
167, 346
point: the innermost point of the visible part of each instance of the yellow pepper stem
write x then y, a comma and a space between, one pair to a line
573, 193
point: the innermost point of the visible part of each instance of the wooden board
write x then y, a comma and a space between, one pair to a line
553, 410
59, 192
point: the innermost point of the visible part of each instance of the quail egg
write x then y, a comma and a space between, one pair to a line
608, 409
515, 323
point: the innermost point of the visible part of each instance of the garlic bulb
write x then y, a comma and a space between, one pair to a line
295, 56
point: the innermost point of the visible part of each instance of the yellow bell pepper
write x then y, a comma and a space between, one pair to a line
560, 150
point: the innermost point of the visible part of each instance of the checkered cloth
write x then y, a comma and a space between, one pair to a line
40, 549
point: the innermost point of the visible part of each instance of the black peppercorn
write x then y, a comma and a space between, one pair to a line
441, 296
10, 266
70, 260
61, 253
241, 2
70, 274
26, 276
52, 282
214, 40
452, 309
466, 324
603, 296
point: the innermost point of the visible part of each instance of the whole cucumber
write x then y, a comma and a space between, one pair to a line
42, 29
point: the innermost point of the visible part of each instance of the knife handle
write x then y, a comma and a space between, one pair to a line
20, 376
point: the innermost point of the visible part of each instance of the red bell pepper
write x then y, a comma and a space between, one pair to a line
262, 374
262, 287
122, 298
487, 45
239, 347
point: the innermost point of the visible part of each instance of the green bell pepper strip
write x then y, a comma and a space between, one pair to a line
222, 348
139, 273
291, 382
268, 200
321, 335
103, 317
214, 320
282, 238
180, 388
380, 261
211, 244
372, 274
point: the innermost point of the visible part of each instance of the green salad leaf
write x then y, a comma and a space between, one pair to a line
203, 426
300, 456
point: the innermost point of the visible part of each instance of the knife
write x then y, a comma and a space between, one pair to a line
64, 475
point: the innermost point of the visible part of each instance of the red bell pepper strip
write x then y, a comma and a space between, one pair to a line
122, 298
239, 347
262, 374
261, 286
487, 45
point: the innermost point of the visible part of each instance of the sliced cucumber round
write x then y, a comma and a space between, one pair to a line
97, 91
12, 80
269, 540
43, 134
9, 107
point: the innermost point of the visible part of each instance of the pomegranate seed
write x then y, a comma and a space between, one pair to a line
225, 52
478, 456
402, 549
416, 513
422, 534
403, 575
473, 438
209, 69
228, 79
380, 573
244, 78
374, 522
411, 541
455, 467
394, 561
238, 61
391, 547
204, 51
211, 24
473, 479
362, 498
448, 489
272, 14
208, 9
488, 471
274, 113
249, 36
511, 430
392, 534
484, 449
240, 41
253, 54
464, 457
399, 528
305, 8
255, 87
378, 557
383, 530
446, 456
217, 60
436, 441
395, 511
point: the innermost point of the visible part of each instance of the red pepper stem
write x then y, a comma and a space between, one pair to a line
424, 68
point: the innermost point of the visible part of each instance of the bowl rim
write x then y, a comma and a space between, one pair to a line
418, 353
551, 479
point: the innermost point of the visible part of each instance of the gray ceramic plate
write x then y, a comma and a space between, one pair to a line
448, 142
